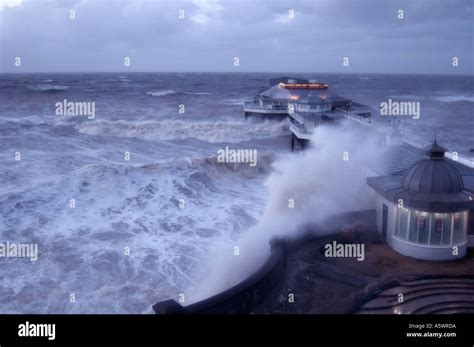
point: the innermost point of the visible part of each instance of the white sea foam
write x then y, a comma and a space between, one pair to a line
161, 92
454, 98
29, 120
239, 102
406, 97
169, 92
82, 250
48, 87
213, 132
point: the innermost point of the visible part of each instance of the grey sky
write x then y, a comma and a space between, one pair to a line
259, 32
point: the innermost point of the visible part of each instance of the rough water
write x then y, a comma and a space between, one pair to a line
142, 230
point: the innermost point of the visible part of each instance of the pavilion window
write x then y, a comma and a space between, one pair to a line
437, 230
459, 227
414, 224
423, 224
397, 223
403, 223
447, 225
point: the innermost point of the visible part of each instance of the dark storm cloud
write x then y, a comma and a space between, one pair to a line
259, 32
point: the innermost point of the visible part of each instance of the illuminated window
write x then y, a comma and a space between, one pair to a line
437, 230
413, 229
423, 224
459, 227
446, 235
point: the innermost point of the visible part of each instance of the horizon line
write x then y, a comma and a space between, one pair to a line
229, 72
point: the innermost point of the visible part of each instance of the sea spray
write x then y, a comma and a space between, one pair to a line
304, 189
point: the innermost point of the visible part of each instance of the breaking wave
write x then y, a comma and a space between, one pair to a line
216, 169
161, 92
213, 132
406, 97
120, 207
48, 87
169, 92
29, 120
454, 98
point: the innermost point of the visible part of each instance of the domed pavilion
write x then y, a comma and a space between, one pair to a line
423, 211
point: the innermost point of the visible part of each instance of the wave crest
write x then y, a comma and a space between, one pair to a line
169, 92
454, 98
48, 87
213, 132
161, 92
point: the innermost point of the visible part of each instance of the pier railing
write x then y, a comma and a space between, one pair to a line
256, 107
300, 131
415, 141
297, 117
460, 158
410, 139
352, 115
251, 106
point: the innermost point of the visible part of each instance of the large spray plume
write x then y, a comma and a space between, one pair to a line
326, 179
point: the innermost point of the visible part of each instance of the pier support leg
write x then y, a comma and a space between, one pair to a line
301, 142
292, 143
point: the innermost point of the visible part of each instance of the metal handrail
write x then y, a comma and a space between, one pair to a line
417, 142
254, 106
301, 128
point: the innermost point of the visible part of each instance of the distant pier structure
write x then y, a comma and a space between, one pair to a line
307, 104
272, 102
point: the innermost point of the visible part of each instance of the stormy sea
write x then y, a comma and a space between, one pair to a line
151, 201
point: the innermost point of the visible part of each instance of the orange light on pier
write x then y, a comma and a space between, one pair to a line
304, 85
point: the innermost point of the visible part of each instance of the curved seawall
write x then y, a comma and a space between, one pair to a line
248, 294
242, 297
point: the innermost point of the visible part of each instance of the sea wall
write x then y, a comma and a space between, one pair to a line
243, 297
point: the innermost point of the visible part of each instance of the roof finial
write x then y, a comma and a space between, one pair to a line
436, 151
